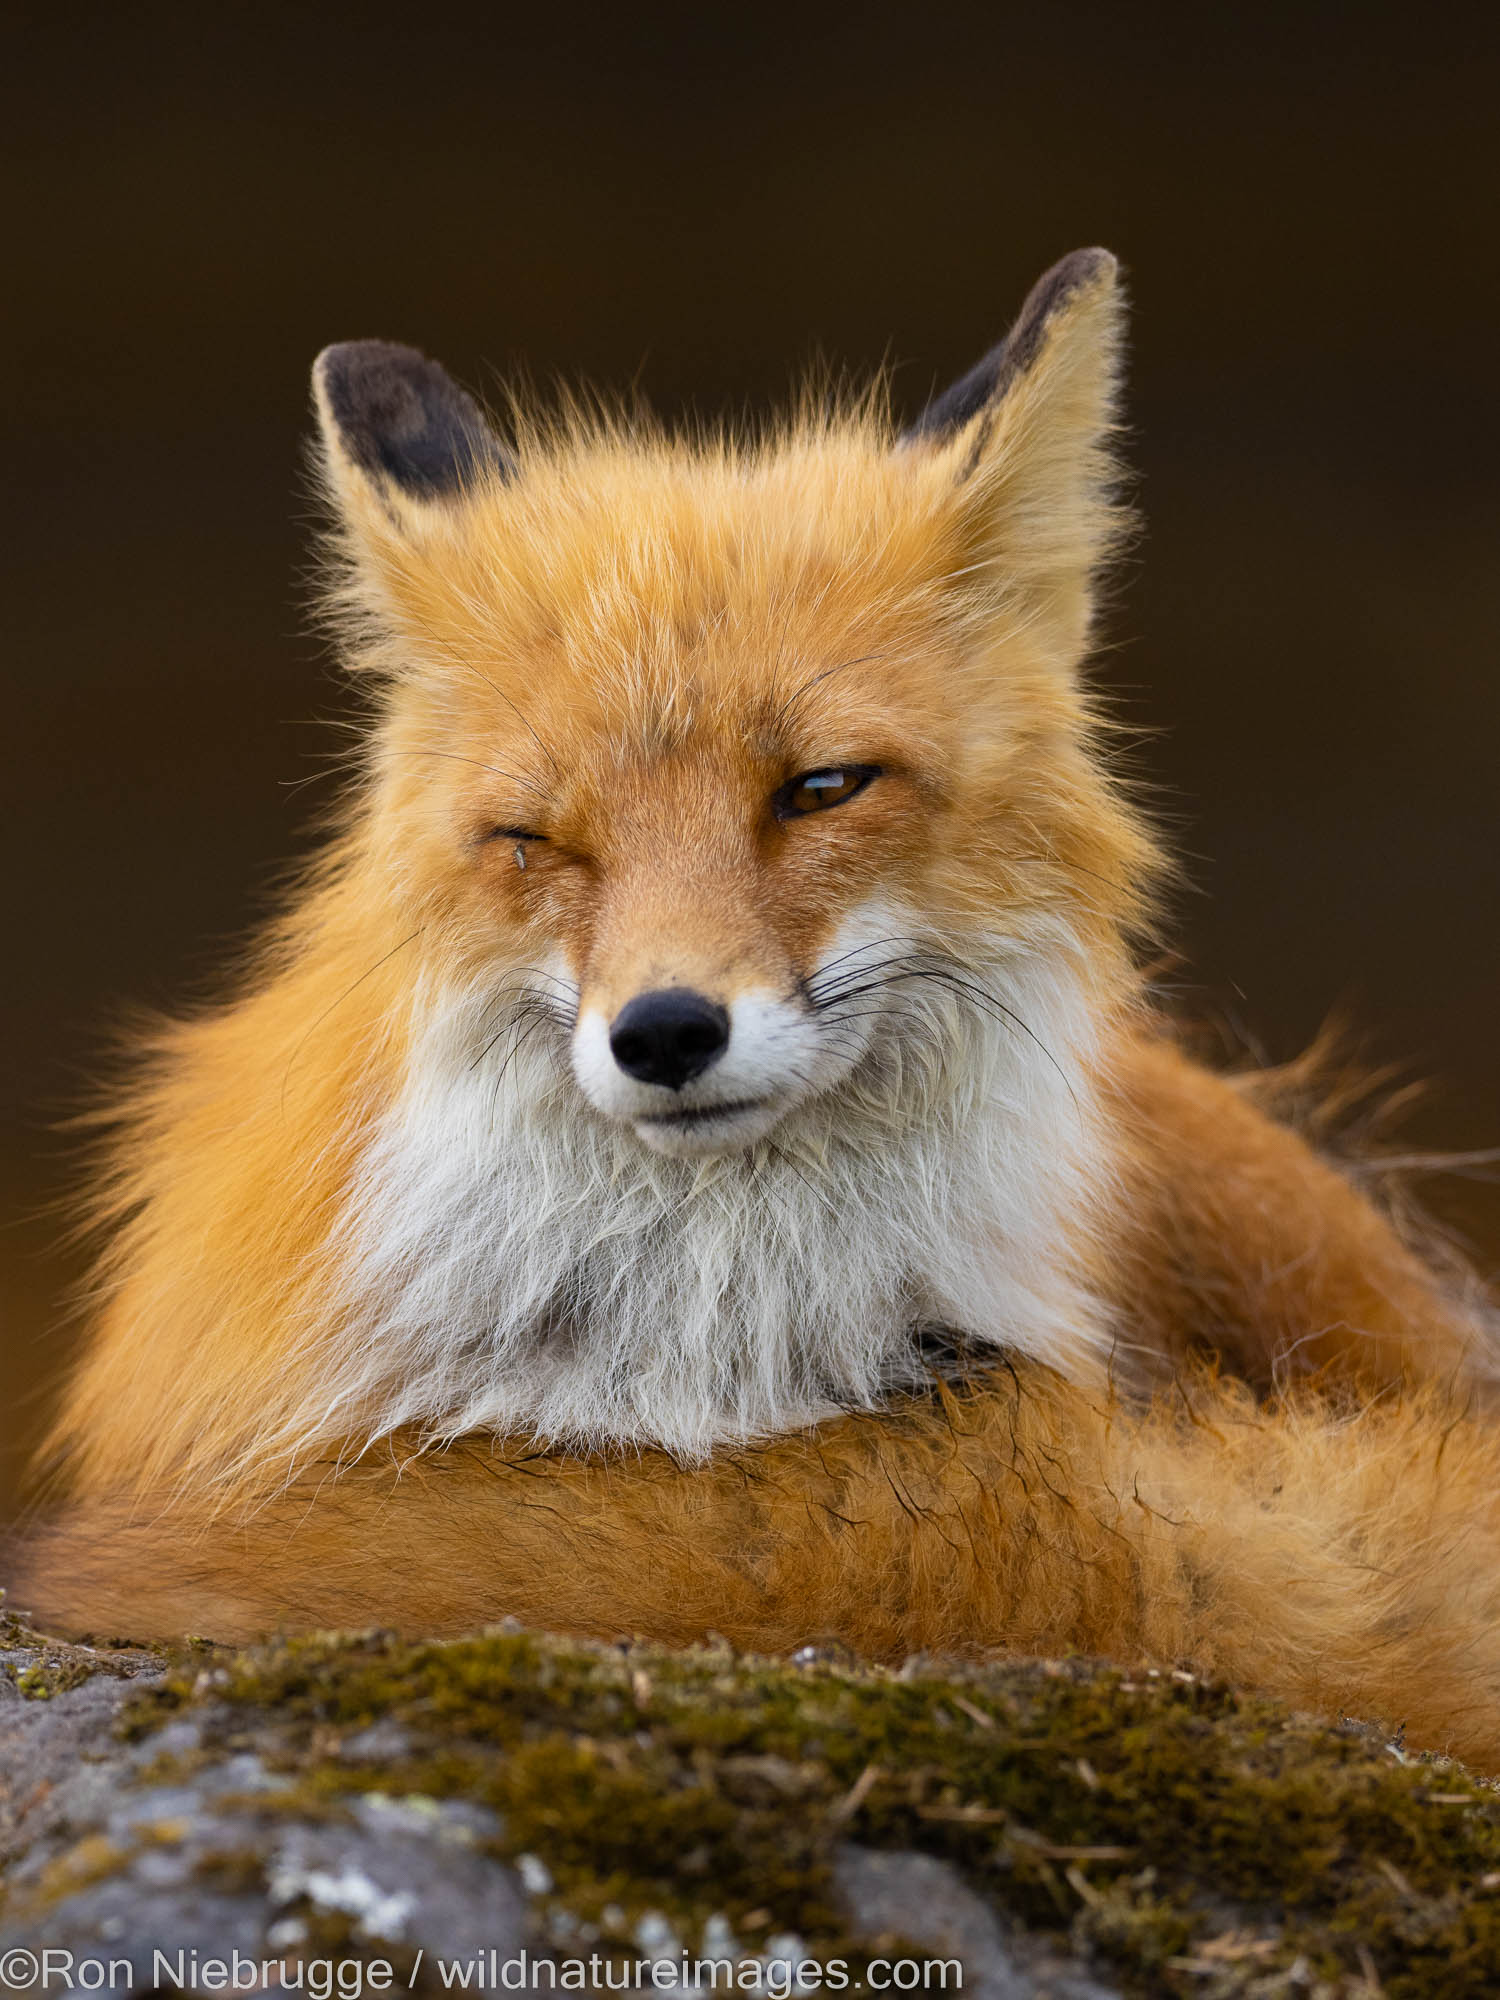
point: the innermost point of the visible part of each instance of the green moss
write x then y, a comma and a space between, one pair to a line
1174, 1827
46, 1677
49, 1666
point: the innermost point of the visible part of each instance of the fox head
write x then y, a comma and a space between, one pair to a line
710, 984
716, 756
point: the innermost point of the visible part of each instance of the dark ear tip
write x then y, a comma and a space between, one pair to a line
345, 363
987, 382
1094, 265
400, 417
1093, 269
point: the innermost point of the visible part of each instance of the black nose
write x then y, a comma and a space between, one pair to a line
669, 1036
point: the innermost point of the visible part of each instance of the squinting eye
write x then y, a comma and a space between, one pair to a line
519, 838
816, 791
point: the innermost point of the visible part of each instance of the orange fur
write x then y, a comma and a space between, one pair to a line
1350, 1565
619, 648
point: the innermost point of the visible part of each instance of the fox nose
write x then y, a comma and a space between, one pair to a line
669, 1036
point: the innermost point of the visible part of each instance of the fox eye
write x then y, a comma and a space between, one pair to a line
816, 791
517, 837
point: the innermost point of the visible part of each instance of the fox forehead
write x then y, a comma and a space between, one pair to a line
646, 591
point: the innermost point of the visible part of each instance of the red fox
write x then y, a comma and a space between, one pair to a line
698, 1152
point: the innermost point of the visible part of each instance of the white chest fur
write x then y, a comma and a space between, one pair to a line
514, 1262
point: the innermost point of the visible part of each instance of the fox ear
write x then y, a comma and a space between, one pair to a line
397, 429
1025, 436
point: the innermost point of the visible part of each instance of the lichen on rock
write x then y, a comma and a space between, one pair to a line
1057, 1826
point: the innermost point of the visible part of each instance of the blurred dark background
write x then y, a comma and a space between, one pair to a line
701, 201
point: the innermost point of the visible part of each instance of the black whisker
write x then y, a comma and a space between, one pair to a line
553, 979
787, 1161
453, 757
533, 1007
854, 951
915, 966
369, 969
459, 660
517, 1046
786, 707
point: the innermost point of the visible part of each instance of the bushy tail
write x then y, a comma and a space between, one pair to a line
1348, 1563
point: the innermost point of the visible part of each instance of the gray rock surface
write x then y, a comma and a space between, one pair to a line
51, 1748
512, 1812
106, 1864
894, 1898
133, 1865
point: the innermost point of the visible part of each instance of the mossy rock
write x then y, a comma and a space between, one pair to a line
38, 1668
1164, 1832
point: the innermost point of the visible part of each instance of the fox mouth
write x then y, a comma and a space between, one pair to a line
691, 1130
699, 1114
